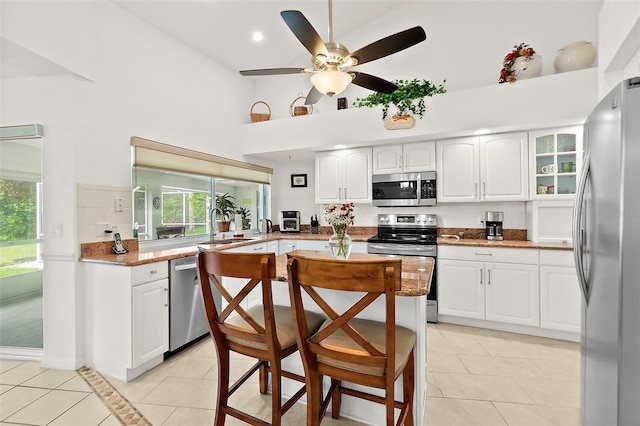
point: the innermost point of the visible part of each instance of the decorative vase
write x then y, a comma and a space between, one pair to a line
527, 67
575, 56
340, 242
400, 122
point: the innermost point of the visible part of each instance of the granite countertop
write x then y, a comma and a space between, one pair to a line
100, 252
416, 271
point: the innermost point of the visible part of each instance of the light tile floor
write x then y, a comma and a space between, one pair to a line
475, 377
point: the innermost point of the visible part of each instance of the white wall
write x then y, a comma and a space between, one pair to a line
619, 43
125, 79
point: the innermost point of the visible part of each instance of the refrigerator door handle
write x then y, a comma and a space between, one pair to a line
578, 231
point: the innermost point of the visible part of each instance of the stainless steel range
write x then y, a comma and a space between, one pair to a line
410, 235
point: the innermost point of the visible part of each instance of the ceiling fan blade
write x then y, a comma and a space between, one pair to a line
304, 31
372, 82
389, 45
273, 71
313, 96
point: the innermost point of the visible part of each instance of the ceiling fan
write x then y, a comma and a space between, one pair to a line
330, 60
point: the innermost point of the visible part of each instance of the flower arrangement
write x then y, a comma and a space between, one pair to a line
339, 216
506, 73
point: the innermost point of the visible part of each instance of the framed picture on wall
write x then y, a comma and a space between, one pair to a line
299, 181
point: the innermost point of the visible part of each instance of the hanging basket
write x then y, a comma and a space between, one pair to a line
300, 110
258, 117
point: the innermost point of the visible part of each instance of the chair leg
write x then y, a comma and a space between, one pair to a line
264, 378
408, 381
223, 386
276, 392
336, 399
314, 399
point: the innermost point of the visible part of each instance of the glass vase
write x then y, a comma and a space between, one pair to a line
340, 242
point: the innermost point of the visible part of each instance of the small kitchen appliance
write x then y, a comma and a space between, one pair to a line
289, 221
404, 189
410, 235
493, 222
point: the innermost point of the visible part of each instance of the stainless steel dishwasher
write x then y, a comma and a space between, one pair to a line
187, 317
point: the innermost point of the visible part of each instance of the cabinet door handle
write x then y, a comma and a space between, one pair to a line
480, 276
345, 194
166, 294
339, 193
484, 188
153, 271
483, 254
400, 160
475, 189
489, 276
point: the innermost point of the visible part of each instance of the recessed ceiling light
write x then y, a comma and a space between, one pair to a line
482, 131
257, 36
339, 146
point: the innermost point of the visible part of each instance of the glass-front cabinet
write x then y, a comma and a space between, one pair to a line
556, 158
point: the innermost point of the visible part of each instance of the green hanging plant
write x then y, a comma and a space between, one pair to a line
403, 98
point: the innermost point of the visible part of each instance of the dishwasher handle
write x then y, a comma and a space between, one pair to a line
186, 266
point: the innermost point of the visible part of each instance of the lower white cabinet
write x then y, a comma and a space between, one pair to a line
560, 298
127, 318
150, 321
501, 290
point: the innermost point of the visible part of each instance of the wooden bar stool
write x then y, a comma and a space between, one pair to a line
263, 331
349, 349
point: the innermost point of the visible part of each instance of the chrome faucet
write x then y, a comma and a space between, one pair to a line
214, 224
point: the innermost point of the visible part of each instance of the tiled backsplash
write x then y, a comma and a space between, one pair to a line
97, 204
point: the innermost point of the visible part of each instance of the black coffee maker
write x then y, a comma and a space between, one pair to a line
493, 222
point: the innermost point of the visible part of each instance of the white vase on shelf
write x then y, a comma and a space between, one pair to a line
575, 56
527, 67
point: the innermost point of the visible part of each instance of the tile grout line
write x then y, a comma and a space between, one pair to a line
121, 408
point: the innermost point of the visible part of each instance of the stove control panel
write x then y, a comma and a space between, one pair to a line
410, 220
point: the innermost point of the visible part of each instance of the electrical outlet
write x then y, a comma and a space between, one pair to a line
119, 206
101, 227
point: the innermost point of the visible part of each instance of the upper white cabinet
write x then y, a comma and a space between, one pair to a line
486, 168
555, 162
412, 157
343, 176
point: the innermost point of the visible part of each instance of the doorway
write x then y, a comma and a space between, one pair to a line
21, 266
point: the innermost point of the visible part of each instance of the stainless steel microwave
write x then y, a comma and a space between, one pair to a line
404, 189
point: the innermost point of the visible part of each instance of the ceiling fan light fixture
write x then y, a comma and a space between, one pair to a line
331, 82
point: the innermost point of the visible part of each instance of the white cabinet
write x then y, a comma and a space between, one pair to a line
150, 321
127, 317
413, 157
343, 176
489, 284
556, 160
250, 248
560, 299
486, 168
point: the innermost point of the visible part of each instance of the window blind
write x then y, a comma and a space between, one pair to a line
158, 155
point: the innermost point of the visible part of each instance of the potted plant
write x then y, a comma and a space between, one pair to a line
225, 209
407, 98
246, 217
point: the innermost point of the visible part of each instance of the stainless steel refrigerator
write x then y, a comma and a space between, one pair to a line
607, 253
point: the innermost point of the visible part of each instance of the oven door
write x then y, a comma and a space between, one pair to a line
395, 190
401, 249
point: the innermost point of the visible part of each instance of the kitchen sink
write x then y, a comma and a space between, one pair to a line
227, 241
